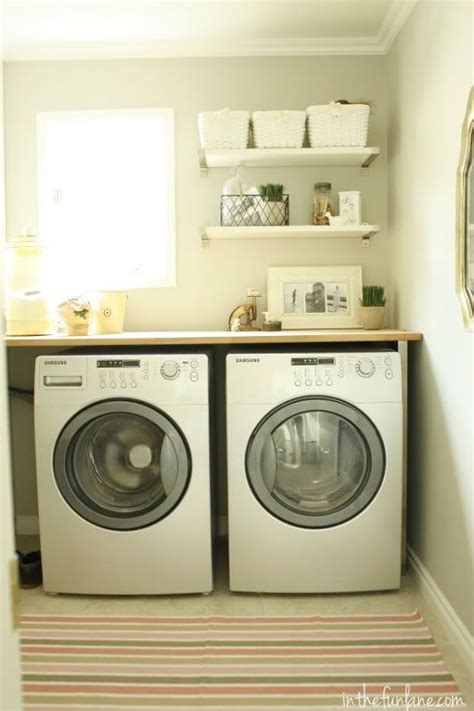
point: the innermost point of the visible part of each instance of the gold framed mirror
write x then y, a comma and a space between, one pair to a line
465, 217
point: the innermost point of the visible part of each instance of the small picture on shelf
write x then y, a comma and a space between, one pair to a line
315, 298
294, 298
337, 297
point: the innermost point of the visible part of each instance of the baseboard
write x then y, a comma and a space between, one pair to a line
460, 635
26, 525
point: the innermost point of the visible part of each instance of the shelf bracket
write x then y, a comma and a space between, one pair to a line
366, 238
204, 239
364, 168
203, 163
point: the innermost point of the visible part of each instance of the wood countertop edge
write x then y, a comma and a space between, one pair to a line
205, 338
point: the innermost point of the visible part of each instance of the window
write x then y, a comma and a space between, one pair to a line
106, 198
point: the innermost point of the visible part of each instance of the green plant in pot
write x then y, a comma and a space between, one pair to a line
372, 307
272, 205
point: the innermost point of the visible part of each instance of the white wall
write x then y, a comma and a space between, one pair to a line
209, 282
429, 77
9, 648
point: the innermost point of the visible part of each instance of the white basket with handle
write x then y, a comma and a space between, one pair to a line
224, 129
278, 129
338, 124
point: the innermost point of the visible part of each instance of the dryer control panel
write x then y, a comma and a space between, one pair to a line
323, 370
359, 376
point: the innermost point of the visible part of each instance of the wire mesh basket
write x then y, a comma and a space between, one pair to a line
253, 211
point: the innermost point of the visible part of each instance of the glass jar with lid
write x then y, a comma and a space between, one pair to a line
322, 203
29, 304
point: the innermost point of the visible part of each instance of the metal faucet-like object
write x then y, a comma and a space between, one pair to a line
243, 317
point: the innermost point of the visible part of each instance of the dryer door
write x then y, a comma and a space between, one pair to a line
122, 464
315, 462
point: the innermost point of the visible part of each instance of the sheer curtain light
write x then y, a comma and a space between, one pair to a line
106, 198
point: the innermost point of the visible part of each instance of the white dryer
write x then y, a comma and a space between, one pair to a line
314, 471
122, 453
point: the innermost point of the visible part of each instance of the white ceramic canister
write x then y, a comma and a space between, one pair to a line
109, 311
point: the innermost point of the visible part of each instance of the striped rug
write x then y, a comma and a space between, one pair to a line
266, 663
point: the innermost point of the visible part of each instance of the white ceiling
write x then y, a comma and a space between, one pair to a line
61, 29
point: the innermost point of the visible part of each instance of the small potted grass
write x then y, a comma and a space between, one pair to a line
372, 307
272, 205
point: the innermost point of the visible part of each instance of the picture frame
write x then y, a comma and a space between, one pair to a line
314, 297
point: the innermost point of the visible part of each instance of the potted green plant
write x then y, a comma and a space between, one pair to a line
272, 204
372, 307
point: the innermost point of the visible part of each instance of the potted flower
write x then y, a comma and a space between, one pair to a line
77, 315
372, 307
272, 204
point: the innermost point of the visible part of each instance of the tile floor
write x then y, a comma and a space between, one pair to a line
221, 601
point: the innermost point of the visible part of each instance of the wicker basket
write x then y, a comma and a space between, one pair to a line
278, 129
338, 125
224, 129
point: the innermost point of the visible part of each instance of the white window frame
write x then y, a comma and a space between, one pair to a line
168, 114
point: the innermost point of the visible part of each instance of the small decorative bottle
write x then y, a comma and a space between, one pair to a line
322, 203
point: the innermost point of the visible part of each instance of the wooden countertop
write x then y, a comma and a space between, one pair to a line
202, 338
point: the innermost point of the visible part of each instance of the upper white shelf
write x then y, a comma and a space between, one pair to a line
278, 157
363, 232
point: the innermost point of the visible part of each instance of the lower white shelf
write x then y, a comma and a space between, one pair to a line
363, 232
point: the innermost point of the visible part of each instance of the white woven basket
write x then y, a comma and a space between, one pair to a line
224, 129
278, 129
338, 125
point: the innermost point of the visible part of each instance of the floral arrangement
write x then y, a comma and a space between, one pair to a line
76, 312
79, 305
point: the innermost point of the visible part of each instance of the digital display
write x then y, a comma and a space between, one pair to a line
118, 363
313, 361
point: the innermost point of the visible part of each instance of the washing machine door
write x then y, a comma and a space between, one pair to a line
122, 464
315, 462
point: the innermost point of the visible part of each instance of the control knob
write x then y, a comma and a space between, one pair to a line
170, 370
365, 367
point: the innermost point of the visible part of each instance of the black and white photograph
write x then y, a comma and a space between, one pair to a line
336, 297
315, 298
294, 295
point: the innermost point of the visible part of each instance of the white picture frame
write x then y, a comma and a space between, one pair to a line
314, 297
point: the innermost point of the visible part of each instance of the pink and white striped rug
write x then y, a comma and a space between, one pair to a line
321, 663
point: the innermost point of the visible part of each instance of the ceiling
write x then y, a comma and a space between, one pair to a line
78, 29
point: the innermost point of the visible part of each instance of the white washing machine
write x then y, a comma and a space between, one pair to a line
123, 470
314, 445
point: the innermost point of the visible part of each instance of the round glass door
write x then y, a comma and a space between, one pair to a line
315, 462
122, 464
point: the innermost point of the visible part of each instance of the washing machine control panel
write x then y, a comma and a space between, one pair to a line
170, 369
128, 373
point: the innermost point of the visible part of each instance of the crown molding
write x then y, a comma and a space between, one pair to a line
394, 20
288, 47
273, 47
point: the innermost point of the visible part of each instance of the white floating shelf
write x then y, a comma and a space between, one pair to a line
363, 232
278, 157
